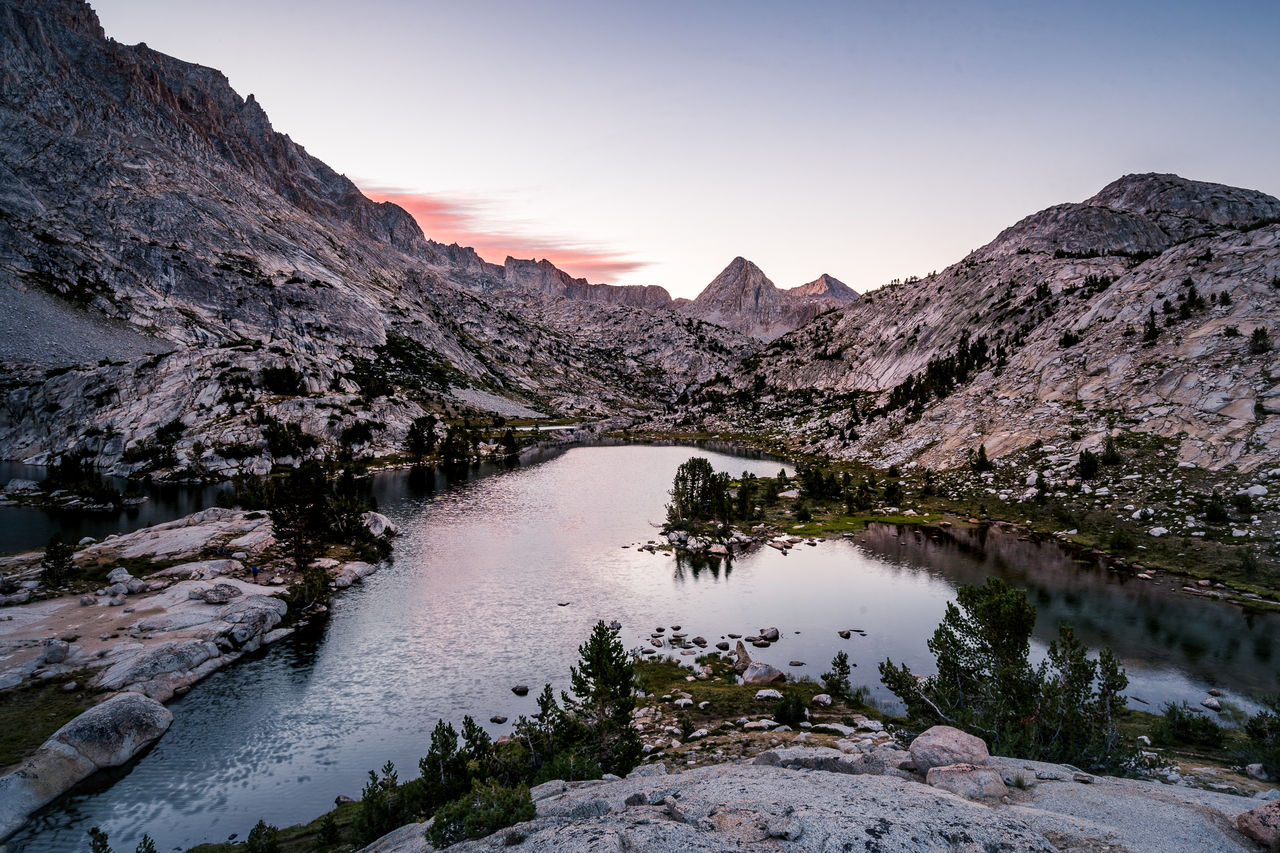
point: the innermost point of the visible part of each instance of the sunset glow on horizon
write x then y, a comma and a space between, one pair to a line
652, 143
466, 223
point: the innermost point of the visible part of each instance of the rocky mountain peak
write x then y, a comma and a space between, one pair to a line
741, 286
826, 286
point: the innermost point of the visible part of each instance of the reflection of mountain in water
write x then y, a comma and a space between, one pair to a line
1142, 621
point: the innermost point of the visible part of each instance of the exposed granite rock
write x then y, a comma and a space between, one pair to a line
942, 745
107, 735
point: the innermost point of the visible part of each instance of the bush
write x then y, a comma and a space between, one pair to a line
488, 808
1182, 725
1263, 731
1259, 341
263, 838
790, 710
1063, 711
1088, 465
284, 381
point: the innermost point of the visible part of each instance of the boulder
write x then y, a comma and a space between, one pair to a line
762, 673
520, 690
55, 651
1262, 824
971, 781
822, 699
107, 735
943, 745
378, 524
769, 634
768, 694
118, 575
219, 593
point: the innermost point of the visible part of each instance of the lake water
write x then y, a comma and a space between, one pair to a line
27, 528
473, 605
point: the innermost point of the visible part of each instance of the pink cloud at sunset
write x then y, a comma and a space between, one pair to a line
448, 219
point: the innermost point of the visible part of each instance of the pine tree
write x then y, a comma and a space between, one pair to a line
1150, 329
58, 564
602, 701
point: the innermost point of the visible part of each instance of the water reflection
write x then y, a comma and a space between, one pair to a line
496, 581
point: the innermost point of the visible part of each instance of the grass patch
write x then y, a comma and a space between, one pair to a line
32, 712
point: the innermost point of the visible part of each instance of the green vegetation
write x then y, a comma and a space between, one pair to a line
1263, 732
58, 564
1181, 725
488, 808
1064, 711
837, 680
33, 711
698, 494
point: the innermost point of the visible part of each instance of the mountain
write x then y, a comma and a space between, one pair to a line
198, 266
743, 298
825, 286
1134, 310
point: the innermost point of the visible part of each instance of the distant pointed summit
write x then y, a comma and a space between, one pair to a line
743, 298
826, 286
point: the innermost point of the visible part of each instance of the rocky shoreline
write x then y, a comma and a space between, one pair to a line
944, 793
140, 641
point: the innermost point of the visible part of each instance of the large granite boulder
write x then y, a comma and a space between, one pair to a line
106, 735
943, 745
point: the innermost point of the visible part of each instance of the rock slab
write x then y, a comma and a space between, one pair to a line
107, 735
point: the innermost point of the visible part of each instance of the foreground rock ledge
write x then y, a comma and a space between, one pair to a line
732, 807
107, 735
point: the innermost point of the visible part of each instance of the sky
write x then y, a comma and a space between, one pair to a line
651, 143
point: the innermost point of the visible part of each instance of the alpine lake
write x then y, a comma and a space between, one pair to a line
496, 581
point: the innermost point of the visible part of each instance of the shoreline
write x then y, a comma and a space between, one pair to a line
144, 640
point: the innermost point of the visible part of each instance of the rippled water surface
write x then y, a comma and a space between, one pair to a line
473, 605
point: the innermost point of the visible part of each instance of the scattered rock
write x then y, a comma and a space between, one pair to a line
520, 690
767, 694
498, 719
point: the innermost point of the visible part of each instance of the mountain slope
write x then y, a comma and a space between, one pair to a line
140, 188
1039, 336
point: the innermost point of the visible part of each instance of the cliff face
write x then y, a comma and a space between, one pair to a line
1060, 303
145, 207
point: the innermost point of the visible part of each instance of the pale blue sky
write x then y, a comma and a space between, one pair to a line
650, 143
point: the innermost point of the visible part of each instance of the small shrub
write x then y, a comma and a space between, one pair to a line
790, 710
1088, 465
1181, 725
284, 381
488, 808
1259, 341
1263, 731
263, 838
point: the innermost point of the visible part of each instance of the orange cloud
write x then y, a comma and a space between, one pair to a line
459, 220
